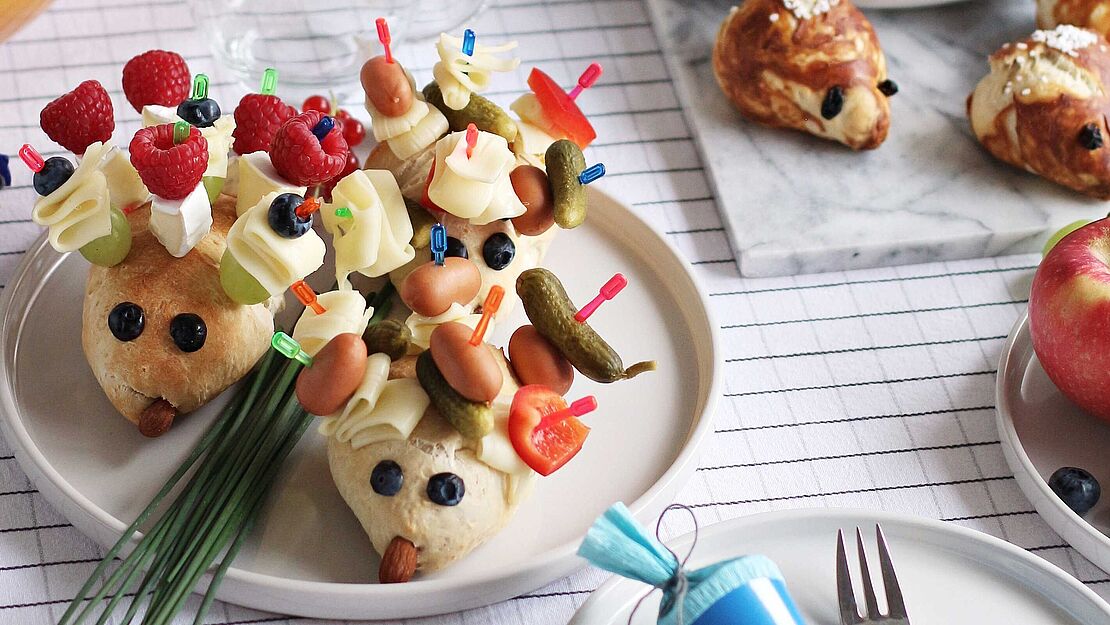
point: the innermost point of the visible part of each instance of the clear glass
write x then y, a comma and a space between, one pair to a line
317, 45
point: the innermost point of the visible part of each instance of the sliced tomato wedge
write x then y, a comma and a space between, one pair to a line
542, 440
560, 110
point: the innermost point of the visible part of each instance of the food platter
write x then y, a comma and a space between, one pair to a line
948, 574
1041, 431
308, 555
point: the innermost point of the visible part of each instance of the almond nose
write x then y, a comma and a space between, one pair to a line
398, 562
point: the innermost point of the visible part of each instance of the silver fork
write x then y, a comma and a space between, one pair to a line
849, 610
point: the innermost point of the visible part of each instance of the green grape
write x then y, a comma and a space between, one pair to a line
110, 249
1063, 232
213, 185
239, 285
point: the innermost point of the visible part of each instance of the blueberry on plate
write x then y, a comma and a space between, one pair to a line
498, 251
200, 113
386, 478
446, 489
126, 321
455, 247
284, 219
53, 174
1077, 488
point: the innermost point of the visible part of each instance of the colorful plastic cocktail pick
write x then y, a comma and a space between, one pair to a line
269, 81
471, 139
560, 109
29, 155
608, 292
200, 87
286, 346
439, 243
310, 205
489, 307
586, 80
307, 296
180, 132
344, 213
383, 36
5, 172
468, 42
323, 127
591, 173
580, 407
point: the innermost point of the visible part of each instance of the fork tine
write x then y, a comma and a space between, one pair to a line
868, 583
846, 596
895, 603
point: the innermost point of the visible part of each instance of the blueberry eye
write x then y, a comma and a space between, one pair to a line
833, 102
1090, 137
446, 489
888, 87
455, 247
498, 251
386, 478
188, 332
126, 321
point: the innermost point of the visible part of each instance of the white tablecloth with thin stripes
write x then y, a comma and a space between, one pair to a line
868, 389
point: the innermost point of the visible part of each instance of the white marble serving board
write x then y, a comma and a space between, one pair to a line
797, 204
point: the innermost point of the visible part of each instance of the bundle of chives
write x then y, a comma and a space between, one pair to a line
236, 462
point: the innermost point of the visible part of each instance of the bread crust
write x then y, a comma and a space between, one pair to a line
135, 373
1031, 109
1092, 14
777, 70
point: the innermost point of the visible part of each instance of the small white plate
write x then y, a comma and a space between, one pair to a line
308, 555
948, 574
1041, 431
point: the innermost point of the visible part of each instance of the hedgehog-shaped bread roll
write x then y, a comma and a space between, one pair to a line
159, 333
811, 65
1043, 107
1092, 14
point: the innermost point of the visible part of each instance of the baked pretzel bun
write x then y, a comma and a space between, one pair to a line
811, 65
1043, 107
1093, 14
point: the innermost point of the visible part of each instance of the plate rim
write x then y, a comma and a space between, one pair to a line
561, 560
1061, 518
738, 524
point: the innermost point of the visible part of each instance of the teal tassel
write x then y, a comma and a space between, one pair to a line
618, 544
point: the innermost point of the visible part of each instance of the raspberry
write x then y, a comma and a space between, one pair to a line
169, 171
257, 119
79, 118
303, 159
156, 77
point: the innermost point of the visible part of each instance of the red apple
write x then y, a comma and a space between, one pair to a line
1069, 317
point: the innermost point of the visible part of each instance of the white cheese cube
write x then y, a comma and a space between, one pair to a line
180, 224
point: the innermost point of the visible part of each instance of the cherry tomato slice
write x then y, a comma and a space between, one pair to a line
560, 110
545, 447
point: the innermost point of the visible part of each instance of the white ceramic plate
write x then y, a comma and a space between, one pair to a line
1041, 431
948, 574
308, 555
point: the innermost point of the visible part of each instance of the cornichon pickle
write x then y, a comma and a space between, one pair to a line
422, 223
483, 113
564, 163
390, 337
552, 313
472, 419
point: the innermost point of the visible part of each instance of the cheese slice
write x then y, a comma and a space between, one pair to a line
257, 177
376, 238
275, 261
79, 211
345, 311
125, 187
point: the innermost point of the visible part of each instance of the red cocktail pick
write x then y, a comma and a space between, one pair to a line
32, 158
383, 36
580, 407
471, 138
608, 292
586, 80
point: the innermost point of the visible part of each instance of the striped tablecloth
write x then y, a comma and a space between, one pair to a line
868, 389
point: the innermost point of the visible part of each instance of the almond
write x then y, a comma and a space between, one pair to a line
157, 418
398, 562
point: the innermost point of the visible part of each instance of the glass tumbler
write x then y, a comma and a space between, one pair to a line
317, 46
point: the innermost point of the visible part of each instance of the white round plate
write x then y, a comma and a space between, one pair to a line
948, 574
308, 555
1041, 431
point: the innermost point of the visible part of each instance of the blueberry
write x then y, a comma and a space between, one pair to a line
53, 174
455, 247
1090, 137
888, 87
200, 113
283, 216
833, 102
498, 251
386, 478
1078, 489
5, 172
446, 489
126, 321
188, 332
